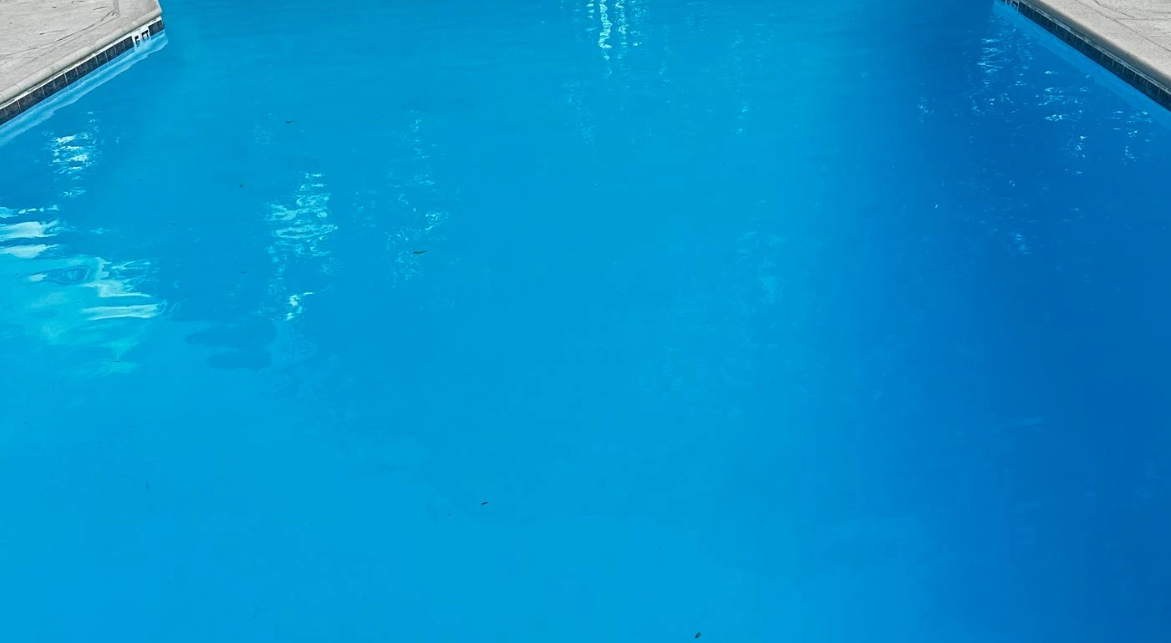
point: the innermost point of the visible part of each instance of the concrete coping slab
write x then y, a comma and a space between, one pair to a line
1130, 38
42, 39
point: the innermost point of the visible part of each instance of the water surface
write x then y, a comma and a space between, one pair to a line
588, 321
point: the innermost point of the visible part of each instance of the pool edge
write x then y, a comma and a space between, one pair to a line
86, 64
1099, 47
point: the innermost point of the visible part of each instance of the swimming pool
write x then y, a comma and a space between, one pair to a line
588, 321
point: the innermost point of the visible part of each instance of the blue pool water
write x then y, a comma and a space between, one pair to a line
770, 321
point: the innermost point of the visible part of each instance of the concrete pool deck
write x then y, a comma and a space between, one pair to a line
47, 45
1130, 38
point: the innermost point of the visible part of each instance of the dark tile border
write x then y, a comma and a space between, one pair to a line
1115, 65
26, 101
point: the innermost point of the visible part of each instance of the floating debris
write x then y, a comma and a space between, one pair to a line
419, 252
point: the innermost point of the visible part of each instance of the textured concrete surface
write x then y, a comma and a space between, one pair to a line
40, 38
1136, 31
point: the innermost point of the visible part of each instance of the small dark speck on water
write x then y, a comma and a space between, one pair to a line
419, 252
697, 634
241, 185
483, 503
288, 122
148, 486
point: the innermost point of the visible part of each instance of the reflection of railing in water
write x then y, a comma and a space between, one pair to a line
70, 300
300, 242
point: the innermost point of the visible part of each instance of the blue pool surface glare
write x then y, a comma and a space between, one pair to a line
582, 321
